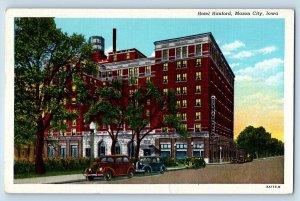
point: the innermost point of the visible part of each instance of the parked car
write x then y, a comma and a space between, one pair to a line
149, 164
110, 166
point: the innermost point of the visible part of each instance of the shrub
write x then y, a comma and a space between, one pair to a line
52, 165
169, 162
24, 167
195, 162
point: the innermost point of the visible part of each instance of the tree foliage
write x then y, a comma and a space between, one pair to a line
47, 62
259, 143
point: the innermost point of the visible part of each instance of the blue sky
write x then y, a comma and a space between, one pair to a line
253, 47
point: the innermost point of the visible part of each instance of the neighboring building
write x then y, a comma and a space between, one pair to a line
195, 68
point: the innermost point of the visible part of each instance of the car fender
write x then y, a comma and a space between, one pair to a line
147, 166
109, 169
129, 169
163, 167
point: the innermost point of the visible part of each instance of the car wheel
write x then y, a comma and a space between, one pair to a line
147, 171
90, 178
162, 170
107, 176
130, 174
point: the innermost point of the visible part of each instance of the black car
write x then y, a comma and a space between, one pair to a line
149, 164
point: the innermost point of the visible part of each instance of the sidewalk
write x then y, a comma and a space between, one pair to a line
66, 178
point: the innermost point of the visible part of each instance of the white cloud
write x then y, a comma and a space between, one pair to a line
232, 46
251, 53
234, 65
107, 50
267, 65
153, 54
243, 78
275, 79
267, 50
243, 54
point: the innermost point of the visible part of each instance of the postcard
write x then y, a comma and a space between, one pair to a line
149, 101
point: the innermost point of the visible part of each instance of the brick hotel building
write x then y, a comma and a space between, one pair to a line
194, 67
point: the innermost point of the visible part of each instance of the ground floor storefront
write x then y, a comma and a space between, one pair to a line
213, 150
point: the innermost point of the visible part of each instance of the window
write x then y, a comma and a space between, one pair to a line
165, 91
84, 77
130, 72
184, 103
148, 102
198, 62
165, 67
184, 64
74, 122
165, 146
198, 116
87, 152
198, 102
165, 55
114, 57
51, 151
184, 89
178, 52
178, 115
178, 90
198, 88
65, 101
127, 55
119, 160
119, 73
148, 79
73, 131
184, 52
164, 130
183, 117
165, 79
73, 100
62, 151
198, 49
101, 149
74, 151
131, 92
184, 76
178, 77
148, 70
109, 74
184, 126
135, 81
148, 113
73, 87
136, 71
125, 160
118, 148
181, 146
198, 75
178, 64
197, 127
178, 104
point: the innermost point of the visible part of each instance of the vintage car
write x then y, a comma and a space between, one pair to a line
110, 166
149, 164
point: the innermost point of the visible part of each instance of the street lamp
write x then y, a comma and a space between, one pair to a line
92, 129
220, 154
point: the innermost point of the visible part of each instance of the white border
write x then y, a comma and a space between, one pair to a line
285, 188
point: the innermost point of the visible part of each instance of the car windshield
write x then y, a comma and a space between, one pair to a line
146, 160
107, 159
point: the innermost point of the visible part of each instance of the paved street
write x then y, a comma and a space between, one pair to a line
257, 172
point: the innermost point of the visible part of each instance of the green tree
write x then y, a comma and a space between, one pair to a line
46, 62
108, 108
258, 142
147, 105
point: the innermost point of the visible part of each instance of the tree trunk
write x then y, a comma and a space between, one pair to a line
113, 147
137, 149
39, 162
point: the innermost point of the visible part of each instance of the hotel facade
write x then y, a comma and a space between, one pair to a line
194, 67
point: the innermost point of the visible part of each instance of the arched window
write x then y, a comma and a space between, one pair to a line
118, 148
130, 149
51, 151
101, 148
